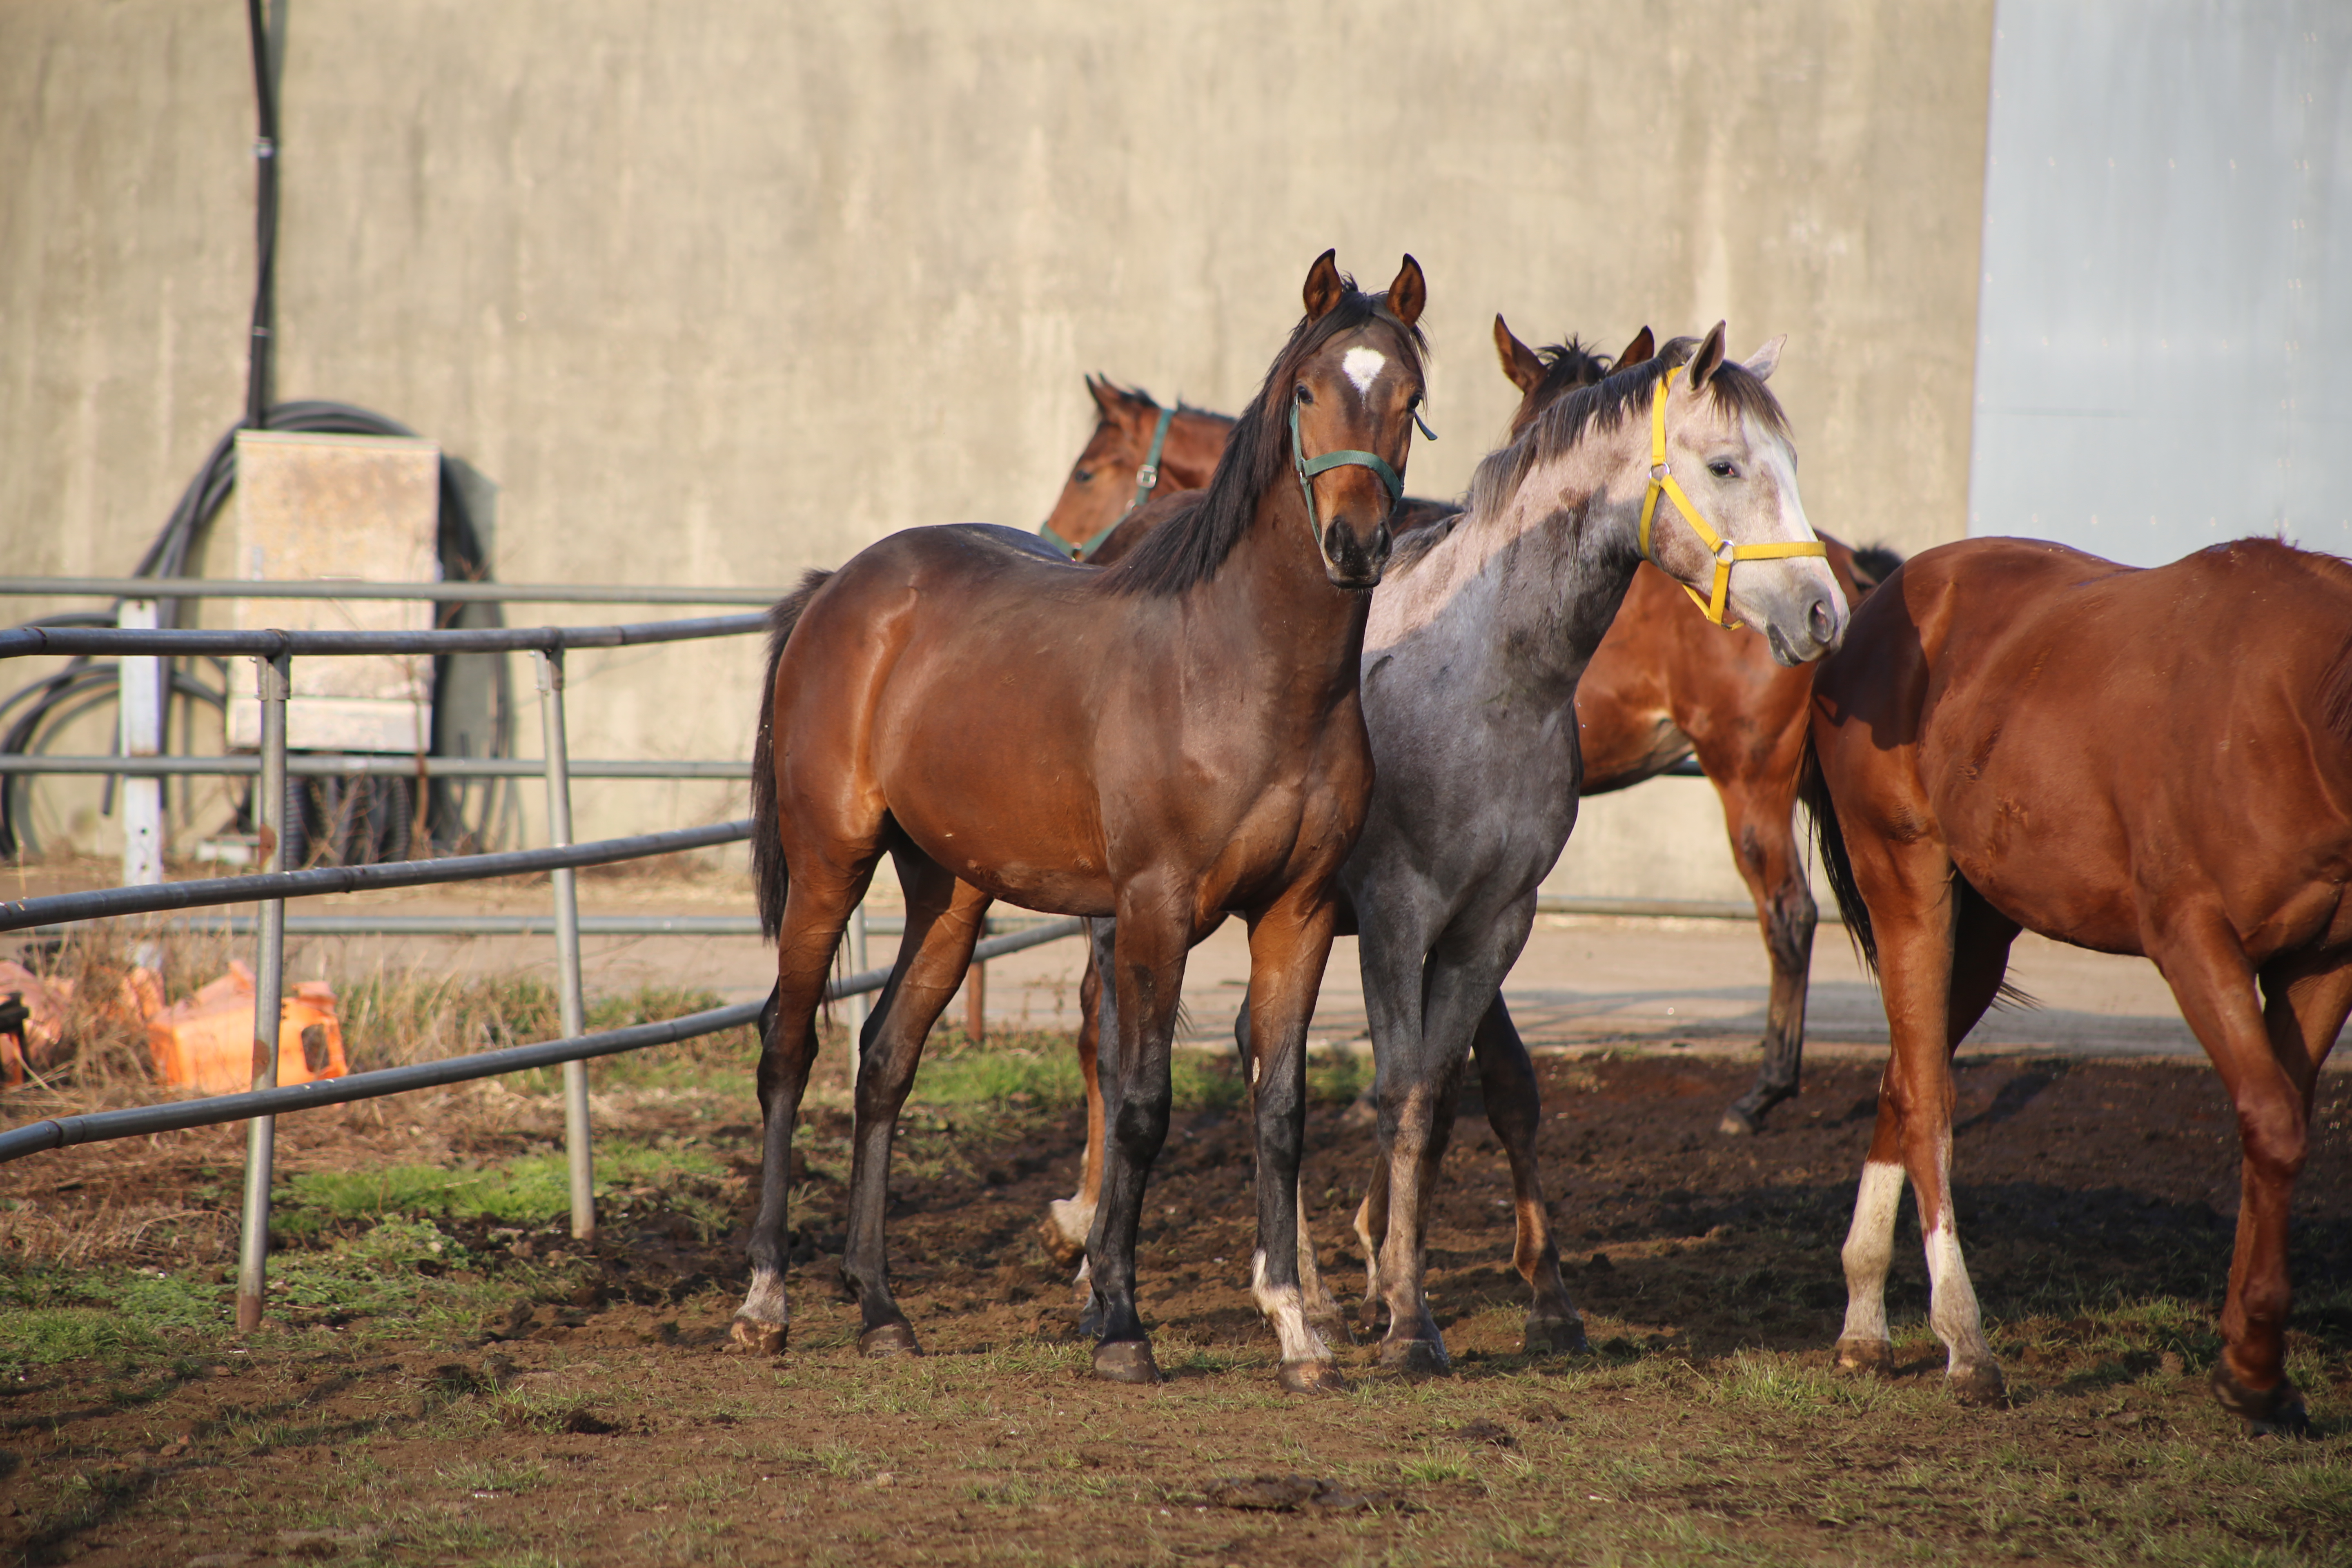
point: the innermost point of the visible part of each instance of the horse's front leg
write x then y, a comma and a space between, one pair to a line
1289, 945
1147, 976
1758, 806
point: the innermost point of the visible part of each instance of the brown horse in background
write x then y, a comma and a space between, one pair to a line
2018, 736
1007, 725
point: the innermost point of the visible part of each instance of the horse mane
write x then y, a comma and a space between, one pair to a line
1187, 548
1567, 366
1605, 405
1179, 405
1874, 564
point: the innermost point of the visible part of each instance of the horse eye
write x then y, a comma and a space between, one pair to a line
1084, 476
1304, 396
1722, 471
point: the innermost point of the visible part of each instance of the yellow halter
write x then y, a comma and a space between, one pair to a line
1662, 481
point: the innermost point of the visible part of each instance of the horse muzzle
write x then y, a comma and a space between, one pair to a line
1817, 632
1351, 561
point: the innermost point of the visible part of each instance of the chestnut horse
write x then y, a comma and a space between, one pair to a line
2021, 737
1162, 742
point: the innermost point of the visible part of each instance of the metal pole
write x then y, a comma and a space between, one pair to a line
268, 981
578, 1154
141, 707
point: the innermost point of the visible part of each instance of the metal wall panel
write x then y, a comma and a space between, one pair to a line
2164, 349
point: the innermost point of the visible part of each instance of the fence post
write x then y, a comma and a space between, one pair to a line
268, 980
142, 708
579, 1157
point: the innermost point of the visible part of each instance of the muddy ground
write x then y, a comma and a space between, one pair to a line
497, 1394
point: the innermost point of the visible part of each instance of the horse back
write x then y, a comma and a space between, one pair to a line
2094, 745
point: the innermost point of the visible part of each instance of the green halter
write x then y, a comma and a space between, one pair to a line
1147, 480
1345, 457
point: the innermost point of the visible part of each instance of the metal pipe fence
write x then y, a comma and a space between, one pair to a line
273, 652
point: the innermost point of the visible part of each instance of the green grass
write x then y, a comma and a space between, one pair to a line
529, 1190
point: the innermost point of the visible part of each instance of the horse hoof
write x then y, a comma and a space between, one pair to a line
1874, 1358
1311, 1378
759, 1339
888, 1339
1979, 1387
2277, 1412
1125, 1360
1555, 1336
1738, 1123
1416, 1358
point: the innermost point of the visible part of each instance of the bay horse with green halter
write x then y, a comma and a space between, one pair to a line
1166, 741
2018, 736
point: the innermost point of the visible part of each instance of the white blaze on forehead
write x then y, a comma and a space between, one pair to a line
1364, 366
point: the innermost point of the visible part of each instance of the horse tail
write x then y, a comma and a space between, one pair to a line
769, 876
1813, 789
1873, 564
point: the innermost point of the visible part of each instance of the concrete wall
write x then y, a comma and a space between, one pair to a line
714, 293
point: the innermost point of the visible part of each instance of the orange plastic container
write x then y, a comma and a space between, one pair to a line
205, 1043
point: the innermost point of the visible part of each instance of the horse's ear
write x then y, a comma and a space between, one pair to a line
1323, 286
1520, 361
1708, 359
1764, 361
1105, 395
1409, 292
1641, 349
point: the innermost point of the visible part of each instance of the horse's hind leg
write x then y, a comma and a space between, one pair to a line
816, 907
1067, 1220
1980, 942
1759, 817
1515, 1111
943, 922
2270, 1066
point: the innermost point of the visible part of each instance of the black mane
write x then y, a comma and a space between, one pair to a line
1189, 547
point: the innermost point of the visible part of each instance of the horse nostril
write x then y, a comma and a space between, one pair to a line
1382, 542
1823, 622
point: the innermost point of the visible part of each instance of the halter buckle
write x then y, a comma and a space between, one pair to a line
1147, 477
1660, 473
1726, 552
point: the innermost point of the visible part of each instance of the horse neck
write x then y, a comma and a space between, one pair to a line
1300, 637
1195, 442
1529, 588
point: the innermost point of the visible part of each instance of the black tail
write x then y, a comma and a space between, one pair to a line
769, 878
1814, 791
1874, 564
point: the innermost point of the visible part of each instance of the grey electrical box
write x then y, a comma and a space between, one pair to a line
320, 508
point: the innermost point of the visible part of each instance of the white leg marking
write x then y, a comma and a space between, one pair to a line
1074, 1218
1952, 1309
1870, 1249
764, 1302
1364, 366
1287, 1310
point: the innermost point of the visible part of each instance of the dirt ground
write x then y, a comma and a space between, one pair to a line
525, 1400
